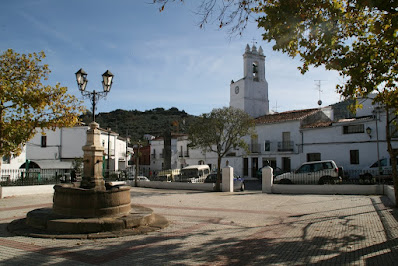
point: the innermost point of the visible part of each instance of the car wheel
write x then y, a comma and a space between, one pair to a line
326, 180
285, 181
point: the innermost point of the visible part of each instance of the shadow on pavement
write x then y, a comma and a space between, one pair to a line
201, 243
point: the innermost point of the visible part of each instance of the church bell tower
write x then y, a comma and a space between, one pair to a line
250, 93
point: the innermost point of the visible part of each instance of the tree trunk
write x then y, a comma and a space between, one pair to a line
1, 134
218, 182
393, 156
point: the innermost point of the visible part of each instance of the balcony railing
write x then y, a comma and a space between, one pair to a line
285, 146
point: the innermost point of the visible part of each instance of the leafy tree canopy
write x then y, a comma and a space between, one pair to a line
27, 104
221, 131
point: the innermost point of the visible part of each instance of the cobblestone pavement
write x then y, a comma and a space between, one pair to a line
242, 228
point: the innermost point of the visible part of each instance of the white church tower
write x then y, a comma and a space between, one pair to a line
250, 93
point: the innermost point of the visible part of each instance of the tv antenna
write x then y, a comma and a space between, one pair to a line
275, 107
319, 89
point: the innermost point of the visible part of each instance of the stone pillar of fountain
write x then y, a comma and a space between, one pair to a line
93, 158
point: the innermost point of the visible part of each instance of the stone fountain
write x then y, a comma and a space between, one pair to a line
91, 208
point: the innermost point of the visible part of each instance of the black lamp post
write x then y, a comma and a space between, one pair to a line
94, 96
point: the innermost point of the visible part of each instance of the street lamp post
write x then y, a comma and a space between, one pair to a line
109, 153
94, 96
137, 163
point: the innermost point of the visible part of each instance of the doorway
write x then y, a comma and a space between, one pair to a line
254, 166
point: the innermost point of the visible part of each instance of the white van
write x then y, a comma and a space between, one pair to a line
194, 173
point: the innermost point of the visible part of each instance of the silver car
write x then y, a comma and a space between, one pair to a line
319, 172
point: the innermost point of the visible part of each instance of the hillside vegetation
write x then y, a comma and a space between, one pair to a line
136, 123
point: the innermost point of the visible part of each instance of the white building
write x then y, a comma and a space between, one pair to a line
291, 138
58, 149
13, 162
250, 93
181, 154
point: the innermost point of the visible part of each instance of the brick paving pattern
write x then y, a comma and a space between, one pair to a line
243, 228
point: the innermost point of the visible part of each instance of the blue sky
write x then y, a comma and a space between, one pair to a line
158, 59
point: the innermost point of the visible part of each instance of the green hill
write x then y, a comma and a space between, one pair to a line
136, 123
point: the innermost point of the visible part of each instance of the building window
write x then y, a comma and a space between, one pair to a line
255, 146
267, 145
353, 129
354, 156
313, 157
6, 159
394, 131
43, 141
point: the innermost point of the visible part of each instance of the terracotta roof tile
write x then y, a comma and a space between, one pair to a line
285, 116
318, 124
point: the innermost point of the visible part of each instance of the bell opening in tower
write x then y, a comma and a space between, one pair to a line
255, 71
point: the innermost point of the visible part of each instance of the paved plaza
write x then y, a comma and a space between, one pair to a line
214, 228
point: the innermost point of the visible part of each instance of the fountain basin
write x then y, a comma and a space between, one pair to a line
79, 202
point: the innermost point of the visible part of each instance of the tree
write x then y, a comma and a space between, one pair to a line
27, 104
357, 38
221, 131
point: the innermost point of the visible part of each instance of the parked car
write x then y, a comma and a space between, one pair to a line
373, 172
139, 178
317, 172
239, 182
276, 171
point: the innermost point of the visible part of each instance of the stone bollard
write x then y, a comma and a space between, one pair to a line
227, 184
268, 179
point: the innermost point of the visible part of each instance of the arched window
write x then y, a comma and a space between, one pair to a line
255, 71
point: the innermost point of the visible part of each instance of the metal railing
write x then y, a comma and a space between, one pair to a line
286, 146
21, 177
360, 177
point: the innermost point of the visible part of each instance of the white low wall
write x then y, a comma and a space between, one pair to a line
177, 185
25, 190
328, 189
389, 192
276, 188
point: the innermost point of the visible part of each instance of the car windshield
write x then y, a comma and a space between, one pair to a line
383, 162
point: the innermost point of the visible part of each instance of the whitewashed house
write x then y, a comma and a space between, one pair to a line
58, 149
288, 139
353, 143
13, 162
181, 154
